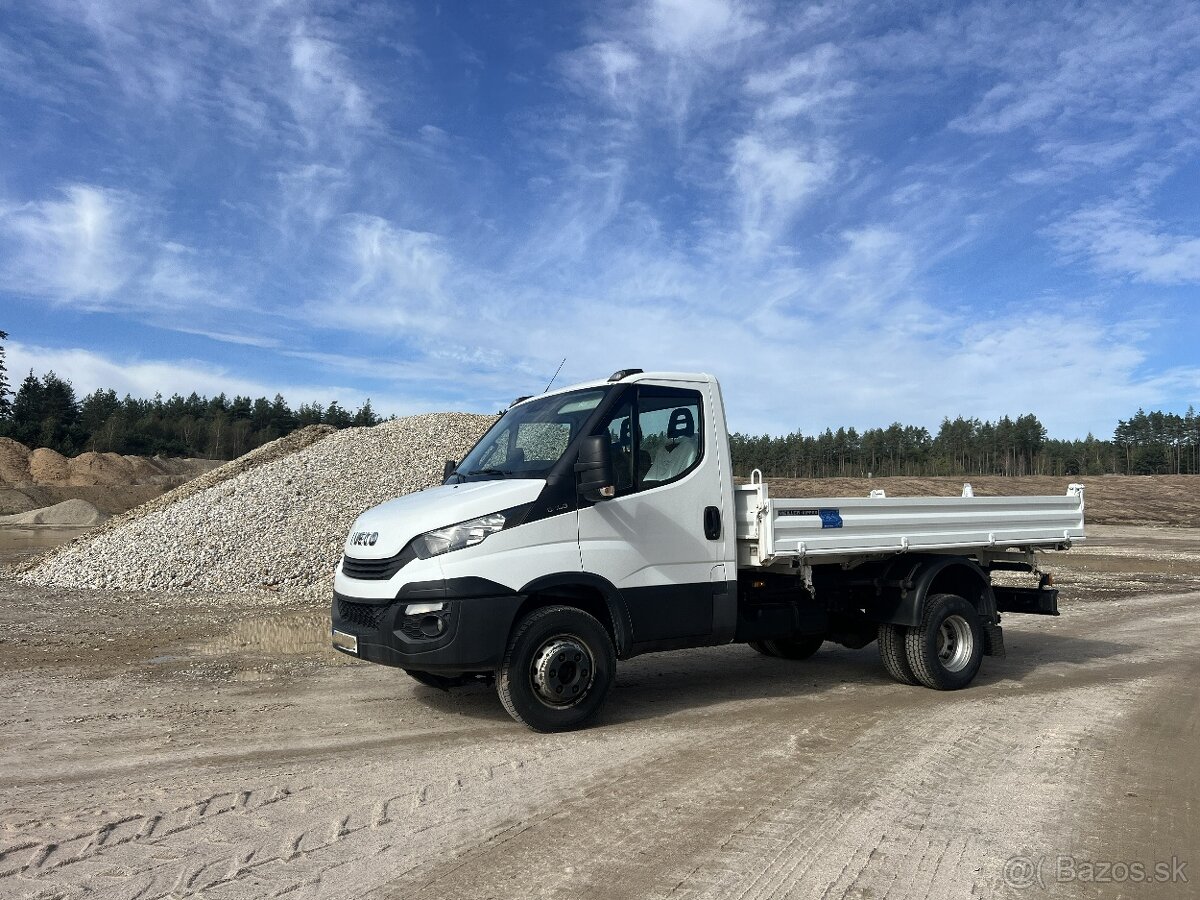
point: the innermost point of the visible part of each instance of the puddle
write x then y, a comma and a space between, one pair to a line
18, 542
258, 650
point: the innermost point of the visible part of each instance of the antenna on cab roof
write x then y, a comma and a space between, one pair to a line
556, 371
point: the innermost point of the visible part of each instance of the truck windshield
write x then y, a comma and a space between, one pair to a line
530, 438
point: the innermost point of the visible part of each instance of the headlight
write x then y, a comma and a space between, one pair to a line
455, 537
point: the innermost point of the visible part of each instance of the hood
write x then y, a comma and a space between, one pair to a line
399, 521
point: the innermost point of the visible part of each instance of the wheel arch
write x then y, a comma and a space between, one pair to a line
591, 593
910, 582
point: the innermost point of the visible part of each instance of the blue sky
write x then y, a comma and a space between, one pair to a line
850, 213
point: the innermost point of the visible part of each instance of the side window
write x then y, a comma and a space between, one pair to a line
669, 435
620, 440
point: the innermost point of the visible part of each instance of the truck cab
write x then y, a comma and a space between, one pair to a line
591, 524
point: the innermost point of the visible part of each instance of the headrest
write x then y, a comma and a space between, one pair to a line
682, 424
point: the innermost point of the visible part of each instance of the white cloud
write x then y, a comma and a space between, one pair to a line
277, 77
674, 208
387, 278
1099, 66
609, 68
875, 272
774, 179
73, 248
310, 196
1064, 159
98, 248
656, 57
247, 105
588, 201
1115, 239
867, 361
88, 370
698, 27
324, 88
809, 83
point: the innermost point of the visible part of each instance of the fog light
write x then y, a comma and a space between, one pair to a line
432, 626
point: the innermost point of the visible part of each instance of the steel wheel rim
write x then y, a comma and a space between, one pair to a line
562, 671
955, 643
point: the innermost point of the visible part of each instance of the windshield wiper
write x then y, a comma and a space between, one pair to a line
488, 472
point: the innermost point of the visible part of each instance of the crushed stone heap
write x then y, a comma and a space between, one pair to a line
78, 513
278, 525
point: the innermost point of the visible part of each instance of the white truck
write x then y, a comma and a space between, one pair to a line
602, 521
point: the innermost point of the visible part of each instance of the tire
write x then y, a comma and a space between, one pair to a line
763, 647
894, 655
557, 670
946, 649
441, 682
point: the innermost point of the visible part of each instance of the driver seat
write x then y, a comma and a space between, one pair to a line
681, 449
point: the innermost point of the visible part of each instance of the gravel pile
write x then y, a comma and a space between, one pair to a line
20, 467
260, 456
277, 525
76, 513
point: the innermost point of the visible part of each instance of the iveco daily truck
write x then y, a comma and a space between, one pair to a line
601, 521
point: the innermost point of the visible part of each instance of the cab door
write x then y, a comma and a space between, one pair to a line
660, 540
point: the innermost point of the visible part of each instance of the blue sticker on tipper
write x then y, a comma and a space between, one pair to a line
830, 518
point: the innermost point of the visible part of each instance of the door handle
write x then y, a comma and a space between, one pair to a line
712, 523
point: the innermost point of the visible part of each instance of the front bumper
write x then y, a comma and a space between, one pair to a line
473, 636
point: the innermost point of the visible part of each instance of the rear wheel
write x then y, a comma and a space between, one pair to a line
946, 649
790, 648
894, 655
557, 670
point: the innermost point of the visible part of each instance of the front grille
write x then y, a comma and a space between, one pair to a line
376, 569
364, 615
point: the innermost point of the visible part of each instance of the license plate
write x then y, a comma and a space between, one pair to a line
347, 642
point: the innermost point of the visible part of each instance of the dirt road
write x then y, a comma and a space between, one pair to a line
216, 748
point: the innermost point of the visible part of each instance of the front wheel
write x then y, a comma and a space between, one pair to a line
557, 669
945, 650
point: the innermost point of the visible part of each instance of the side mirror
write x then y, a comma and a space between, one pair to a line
594, 469
448, 469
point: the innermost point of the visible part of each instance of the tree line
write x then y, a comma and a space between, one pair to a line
1155, 443
45, 412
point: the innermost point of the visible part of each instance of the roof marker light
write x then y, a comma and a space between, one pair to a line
623, 373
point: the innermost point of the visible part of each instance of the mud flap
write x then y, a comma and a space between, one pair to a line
993, 639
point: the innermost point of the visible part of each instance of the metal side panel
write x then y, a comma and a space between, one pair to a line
811, 527
747, 500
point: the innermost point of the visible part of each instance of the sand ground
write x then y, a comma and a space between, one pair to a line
216, 747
